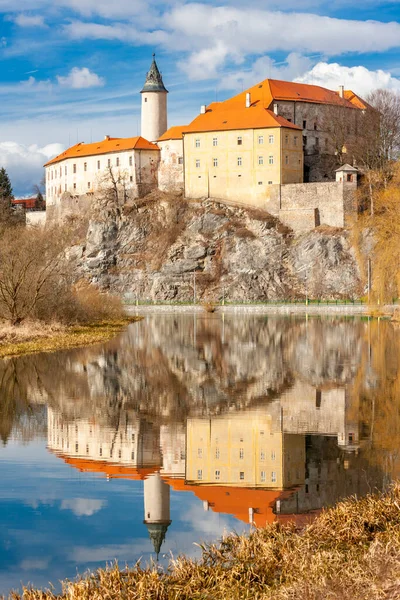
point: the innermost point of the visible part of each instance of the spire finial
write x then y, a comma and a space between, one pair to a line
154, 55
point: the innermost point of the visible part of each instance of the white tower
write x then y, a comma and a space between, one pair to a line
156, 509
154, 105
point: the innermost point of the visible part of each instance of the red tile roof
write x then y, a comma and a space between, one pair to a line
109, 144
225, 118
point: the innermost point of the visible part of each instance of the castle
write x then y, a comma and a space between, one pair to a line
270, 146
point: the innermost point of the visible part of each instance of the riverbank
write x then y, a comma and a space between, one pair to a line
351, 551
267, 309
33, 337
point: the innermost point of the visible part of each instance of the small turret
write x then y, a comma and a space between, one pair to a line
154, 105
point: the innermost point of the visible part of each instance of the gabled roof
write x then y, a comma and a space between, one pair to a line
109, 144
173, 133
346, 167
356, 100
219, 117
111, 470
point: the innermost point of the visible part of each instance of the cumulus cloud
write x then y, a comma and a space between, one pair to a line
358, 79
83, 507
24, 164
80, 78
24, 20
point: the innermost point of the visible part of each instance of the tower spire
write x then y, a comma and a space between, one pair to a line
154, 82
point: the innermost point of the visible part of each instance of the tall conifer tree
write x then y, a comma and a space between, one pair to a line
6, 191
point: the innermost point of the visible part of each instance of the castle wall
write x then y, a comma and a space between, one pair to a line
170, 172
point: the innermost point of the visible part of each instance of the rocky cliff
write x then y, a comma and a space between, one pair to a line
162, 246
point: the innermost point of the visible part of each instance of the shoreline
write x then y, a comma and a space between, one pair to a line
69, 338
267, 309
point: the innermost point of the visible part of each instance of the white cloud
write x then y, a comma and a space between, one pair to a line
358, 79
24, 164
80, 78
83, 507
24, 20
35, 564
293, 66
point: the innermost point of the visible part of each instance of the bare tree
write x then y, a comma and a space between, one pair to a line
30, 268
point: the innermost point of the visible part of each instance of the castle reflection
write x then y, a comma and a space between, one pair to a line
284, 460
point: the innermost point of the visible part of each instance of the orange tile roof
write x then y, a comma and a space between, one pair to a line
273, 89
222, 117
356, 100
109, 144
234, 500
111, 470
173, 133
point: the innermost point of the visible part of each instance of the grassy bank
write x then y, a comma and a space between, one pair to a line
350, 552
36, 337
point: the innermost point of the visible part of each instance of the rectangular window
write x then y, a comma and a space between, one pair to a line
101, 451
304, 140
65, 171
286, 139
260, 139
286, 160
88, 185
260, 183
273, 477
74, 186
273, 455
117, 162
239, 161
215, 162
74, 168
130, 161
200, 452
197, 164
271, 139
216, 452
262, 476
271, 159
133, 437
197, 143
260, 160
98, 164
241, 475
295, 140
60, 171
262, 455
131, 178
217, 475
241, 453
215, 141
87, 448
133, 455
239, 141
200, 474
304, 124
180, 160
76, 447
109, 162
85, 166
315, 126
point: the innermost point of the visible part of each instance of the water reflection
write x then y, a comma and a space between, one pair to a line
262, 419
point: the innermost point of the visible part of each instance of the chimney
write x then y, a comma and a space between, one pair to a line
341, 91
248, 100
106, 137
203, 109
275, 109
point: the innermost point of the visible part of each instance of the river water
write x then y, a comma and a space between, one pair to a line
187, 426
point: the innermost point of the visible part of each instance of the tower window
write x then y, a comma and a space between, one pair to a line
145, 99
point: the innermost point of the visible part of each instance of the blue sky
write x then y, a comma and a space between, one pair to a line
72, 69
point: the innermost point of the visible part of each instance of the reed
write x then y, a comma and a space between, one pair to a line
351, 551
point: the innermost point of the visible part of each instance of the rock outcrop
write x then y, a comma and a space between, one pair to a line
162, 247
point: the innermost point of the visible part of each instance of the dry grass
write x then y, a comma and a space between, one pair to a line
349, 552
32, 337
